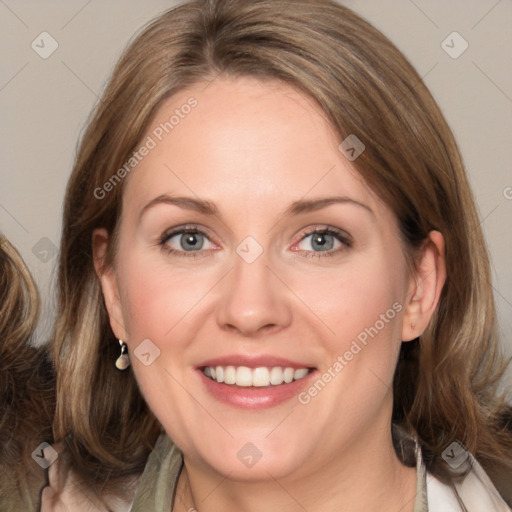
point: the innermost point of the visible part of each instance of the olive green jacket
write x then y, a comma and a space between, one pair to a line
156, 487
158, 482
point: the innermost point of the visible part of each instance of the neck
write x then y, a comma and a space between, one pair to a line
366, 476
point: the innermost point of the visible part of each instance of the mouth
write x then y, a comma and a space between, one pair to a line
259, 377
254, 381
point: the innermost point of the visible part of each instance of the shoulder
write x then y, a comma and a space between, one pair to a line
66, 491
476, 491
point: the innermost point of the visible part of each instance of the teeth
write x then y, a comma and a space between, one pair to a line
257, 377
302, 372
288, 375
230, 375
243, 376
276, 376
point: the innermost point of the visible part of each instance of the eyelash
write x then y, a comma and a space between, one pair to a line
341, 236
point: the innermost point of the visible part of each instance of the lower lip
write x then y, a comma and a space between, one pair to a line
254, 397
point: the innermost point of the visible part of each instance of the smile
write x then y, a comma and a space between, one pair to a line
254, 377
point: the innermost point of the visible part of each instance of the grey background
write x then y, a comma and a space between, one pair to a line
44, 104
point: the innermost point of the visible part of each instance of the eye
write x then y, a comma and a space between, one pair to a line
190, 241
324, 242
185, 241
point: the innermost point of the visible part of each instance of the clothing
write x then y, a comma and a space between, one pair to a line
158, 483
157, 486
476, 491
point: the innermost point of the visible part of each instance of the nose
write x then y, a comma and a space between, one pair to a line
254, 300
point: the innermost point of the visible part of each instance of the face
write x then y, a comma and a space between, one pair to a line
218, 266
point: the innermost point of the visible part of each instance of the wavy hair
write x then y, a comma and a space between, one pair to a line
27, 386
446, 382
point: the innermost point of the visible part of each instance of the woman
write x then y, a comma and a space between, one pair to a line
27, 389
269, 232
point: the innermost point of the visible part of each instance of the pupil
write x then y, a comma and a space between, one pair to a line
319, 239
189, 239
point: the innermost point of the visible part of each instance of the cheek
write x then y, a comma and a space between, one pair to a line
155, 297
362, 306
158, 305
363, 309
365, 295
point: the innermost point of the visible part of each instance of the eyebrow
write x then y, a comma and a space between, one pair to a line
209, 208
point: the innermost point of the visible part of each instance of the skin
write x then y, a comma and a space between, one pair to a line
253, 148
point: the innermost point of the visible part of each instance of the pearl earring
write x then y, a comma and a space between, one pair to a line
123, 361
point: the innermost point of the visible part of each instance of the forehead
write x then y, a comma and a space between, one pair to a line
244, 141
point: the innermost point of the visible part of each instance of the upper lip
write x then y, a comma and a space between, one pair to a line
253, 361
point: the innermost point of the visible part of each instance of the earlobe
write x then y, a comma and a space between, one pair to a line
425, 289
108, 281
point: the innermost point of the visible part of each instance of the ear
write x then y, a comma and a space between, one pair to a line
425, 287
108, 280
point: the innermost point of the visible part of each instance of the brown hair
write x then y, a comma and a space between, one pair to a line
27, 386
445, 384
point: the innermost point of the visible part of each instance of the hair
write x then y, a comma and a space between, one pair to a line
27, 386
446, 383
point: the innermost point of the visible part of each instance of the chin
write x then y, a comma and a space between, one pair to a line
251, 461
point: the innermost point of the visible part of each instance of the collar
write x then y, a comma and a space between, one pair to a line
157, 486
